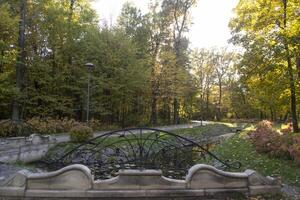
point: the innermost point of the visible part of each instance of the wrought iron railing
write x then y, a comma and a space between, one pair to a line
140, 148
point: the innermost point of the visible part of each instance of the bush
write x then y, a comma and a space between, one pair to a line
10, 129
80, 134
294, 149
50, 125
267, 140
46, 126
265, 124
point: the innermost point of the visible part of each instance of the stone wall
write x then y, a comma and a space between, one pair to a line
34, 147
76, 181
25, 149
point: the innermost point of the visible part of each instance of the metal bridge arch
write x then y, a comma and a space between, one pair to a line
139, 148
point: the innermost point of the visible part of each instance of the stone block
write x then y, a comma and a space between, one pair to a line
73, 177
208, 177
140, 179
17, 180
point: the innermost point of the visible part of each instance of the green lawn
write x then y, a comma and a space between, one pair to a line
240, 149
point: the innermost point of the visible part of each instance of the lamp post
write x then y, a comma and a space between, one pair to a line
90, 66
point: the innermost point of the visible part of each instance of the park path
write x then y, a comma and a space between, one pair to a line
192, 124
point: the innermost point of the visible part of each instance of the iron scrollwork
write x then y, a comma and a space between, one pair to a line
139, 148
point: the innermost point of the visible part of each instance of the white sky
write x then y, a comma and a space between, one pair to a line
210, 19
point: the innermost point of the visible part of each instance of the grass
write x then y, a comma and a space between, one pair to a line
214, 129
239, 149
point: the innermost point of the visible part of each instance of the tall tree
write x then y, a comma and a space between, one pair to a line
20, 65
266, 29
222, 60
179, 11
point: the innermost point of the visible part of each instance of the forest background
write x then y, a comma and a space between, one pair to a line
145, 72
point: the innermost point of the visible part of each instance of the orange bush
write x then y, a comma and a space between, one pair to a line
267, 140
44, 126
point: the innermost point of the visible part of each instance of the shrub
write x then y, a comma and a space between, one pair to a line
80, 133
294, 149
45, 126
11, 129
95, 124
265, 124
267, 140
50, 125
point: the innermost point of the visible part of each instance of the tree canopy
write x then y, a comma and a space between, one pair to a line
145, 70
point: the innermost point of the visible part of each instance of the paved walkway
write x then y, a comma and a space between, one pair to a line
194, 123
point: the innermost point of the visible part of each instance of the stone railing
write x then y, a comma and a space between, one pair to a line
76, 181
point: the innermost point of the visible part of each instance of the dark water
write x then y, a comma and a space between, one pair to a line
173, 162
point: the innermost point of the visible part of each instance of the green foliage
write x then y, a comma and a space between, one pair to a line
267, 66
61, 36
144, 73
80, 134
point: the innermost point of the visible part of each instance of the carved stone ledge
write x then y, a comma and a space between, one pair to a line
207, 177
77, 181
140, 179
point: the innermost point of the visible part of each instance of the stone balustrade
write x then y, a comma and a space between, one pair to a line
76, 181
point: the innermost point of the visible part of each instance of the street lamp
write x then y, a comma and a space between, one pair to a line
90, 66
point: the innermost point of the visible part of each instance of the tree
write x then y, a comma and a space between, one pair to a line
20, 64
223, 61
179, 10
266, 30
8, 40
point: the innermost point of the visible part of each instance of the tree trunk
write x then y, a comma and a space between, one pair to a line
272, 114
220, 101
201, 107
207, 104
154, 85
293, 93
153, 118
176, 113
71, 11
298, 67
261, 117
2, 63
20, 65
290, 74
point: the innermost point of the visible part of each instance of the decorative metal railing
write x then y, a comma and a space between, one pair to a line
139, 148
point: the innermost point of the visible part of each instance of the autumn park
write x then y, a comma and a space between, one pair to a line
81, 72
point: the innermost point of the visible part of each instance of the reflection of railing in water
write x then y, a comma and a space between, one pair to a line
138, 148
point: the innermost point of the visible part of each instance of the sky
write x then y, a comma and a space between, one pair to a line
210, 19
